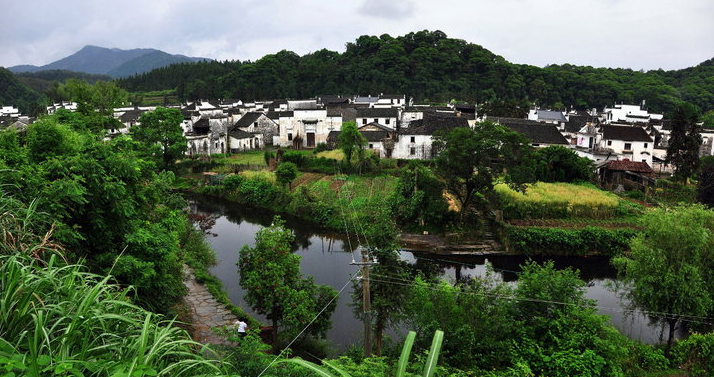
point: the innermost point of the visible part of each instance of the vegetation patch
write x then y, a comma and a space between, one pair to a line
557, 200
557, 241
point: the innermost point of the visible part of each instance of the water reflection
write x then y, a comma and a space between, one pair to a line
326, 256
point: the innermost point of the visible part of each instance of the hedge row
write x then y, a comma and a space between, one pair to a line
576, 242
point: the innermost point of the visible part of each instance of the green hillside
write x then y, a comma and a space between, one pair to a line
428, 65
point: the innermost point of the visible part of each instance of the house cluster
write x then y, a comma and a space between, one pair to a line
396, 128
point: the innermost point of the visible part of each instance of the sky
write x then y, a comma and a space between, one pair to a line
637, 34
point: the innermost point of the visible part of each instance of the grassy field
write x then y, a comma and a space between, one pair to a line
335, 154
558, 200
244, 158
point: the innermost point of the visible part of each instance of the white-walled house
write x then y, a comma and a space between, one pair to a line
609, 142
547, 116
384, 116
414, 141
391, 100
240, 140
9, 111
306, 128
628, 114
255, 122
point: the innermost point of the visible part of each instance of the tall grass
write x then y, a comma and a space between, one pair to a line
557, 200
58, 319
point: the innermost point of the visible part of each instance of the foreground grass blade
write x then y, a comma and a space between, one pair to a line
406, 351
433, 357
312, 366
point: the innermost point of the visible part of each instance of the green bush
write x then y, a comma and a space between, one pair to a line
232, 182
320, 147
295, 157
557, 241
695, 354
320, 165
267, 155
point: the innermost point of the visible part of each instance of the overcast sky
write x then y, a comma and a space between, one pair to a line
637, 34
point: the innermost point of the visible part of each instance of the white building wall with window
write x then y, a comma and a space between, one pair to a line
413, 147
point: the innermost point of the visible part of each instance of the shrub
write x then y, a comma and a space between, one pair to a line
321, 165
295, 157
232, 182
320, 147
285, 173
267, 155
695, 354
556, 241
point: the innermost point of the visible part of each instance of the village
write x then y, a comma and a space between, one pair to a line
625, 140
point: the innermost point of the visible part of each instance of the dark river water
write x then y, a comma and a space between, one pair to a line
326, 256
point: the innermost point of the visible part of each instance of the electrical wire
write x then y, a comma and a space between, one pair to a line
310, 323
683, 317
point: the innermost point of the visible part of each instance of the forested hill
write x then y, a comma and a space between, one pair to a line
13, 92
428, 65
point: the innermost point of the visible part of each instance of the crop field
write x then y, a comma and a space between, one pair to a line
558, 201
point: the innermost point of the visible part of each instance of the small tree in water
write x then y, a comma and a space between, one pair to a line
270, 275
670, 265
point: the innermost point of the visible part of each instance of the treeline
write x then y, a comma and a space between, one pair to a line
14, 92
428, 65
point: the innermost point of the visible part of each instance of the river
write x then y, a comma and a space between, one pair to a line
326, 256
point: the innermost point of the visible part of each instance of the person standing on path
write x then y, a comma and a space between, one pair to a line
242, 328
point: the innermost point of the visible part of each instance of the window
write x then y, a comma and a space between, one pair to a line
290, 136
364, 121
645, 161
376, 120
386, 121
645, 145
628, 146
413, 139
609, 143
412, 151
371, 146
255, 124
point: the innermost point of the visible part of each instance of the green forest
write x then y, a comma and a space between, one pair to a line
428, 66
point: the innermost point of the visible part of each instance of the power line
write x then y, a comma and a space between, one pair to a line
309, 323
404, 282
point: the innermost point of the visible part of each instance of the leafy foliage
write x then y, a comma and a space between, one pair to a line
161, 133
469, 161
561, 164
60, 320
557, 241
351, 141
270, 274
684, 141
705, 189
429, 65
418, 198
670, 265
286, 173
542, 326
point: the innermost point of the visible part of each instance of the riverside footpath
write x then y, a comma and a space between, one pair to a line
205, 311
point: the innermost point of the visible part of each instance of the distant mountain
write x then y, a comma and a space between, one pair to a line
110, 61
147, 62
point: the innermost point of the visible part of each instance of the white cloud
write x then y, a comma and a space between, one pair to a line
616, 33
390, 10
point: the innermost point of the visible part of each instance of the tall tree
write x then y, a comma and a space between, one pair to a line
270, 274
684, 141
705, 190
671, 265
350, 141
160, 130
469, 161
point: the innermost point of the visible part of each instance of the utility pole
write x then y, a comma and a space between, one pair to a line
366, 301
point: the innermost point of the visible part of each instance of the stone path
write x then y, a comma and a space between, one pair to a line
206, 312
